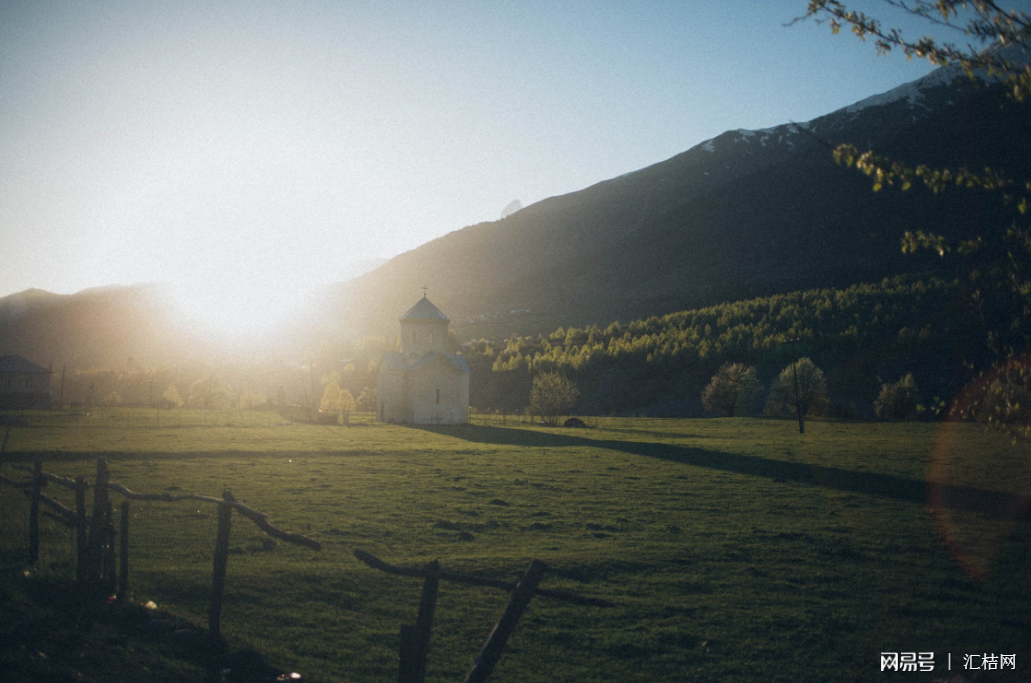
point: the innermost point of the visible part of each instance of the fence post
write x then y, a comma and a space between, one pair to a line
489, 655
37, 485
80, 530
218, 581
3, 449
406, 652
424, 622
98, 526
123, 569
109, 550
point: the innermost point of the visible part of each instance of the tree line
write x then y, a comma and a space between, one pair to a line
863, 336
332, 376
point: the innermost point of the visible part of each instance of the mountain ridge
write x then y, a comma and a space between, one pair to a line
564, 259
744, 214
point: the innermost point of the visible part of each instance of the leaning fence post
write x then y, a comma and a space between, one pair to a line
37, 485
495, 645
424, 622
80, 529
218, 581
123, 555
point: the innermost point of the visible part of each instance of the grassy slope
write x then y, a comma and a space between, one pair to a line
736, 550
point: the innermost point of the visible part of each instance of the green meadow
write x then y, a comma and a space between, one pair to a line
733, 549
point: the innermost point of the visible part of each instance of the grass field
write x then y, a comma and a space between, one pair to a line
734, 550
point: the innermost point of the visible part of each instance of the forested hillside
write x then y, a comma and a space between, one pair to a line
861, 336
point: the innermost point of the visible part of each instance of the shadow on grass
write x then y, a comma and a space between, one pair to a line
992, 503
934, 494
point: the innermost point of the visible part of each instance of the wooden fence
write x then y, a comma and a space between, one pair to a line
95, 535
96, 573
415, 639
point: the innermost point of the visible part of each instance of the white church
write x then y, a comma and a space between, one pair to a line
423, 384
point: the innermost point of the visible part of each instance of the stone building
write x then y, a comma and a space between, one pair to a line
423, 384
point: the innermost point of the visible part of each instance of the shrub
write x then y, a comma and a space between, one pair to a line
898, 401
732, 390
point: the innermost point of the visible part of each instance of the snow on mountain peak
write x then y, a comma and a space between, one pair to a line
913, 91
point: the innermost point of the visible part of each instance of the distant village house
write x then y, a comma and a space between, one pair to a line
423, 384
23, 384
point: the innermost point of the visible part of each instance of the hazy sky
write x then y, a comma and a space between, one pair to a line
255, 146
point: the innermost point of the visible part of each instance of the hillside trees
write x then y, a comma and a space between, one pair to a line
662, 364
997, 256
732, 390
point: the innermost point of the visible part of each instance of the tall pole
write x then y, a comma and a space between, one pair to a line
798, 402
314, 406
218, 582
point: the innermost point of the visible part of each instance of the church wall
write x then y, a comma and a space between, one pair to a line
453, 405
391, 397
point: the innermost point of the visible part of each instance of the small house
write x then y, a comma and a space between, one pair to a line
23, 384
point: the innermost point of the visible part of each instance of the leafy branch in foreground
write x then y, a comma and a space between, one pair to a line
981, 20
887, 171
999, 261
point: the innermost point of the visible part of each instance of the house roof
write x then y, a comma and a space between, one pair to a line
19, 364
398, 361
424, 310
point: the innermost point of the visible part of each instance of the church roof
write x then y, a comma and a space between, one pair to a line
19, 364
424, 310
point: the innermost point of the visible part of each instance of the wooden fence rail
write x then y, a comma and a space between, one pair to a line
473, 580
67, 482
414, 643
260, 519
96, 570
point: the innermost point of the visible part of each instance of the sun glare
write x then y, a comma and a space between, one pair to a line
237, 311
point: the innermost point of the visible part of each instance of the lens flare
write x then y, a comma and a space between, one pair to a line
979, 480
